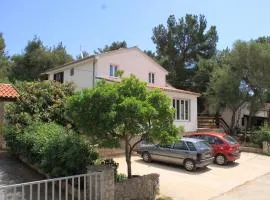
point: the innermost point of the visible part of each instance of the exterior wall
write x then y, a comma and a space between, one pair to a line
83, 74
190, 125
131, 61
140, 188
227, 115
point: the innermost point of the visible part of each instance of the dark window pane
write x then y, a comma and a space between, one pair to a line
191, 146
111, 70
180, 146
177, 109
186, 110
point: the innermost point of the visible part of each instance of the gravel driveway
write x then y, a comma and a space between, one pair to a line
207, 183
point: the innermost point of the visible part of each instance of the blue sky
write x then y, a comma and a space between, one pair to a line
94, 23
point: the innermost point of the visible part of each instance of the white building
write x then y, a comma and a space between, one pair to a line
86, 72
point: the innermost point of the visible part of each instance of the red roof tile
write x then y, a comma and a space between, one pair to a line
8, 92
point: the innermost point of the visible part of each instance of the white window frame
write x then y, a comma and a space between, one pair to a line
115, 68
181, 113
151, 77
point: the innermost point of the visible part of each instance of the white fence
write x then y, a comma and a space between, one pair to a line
80, 187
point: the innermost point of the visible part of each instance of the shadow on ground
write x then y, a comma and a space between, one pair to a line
227, 166
173, 167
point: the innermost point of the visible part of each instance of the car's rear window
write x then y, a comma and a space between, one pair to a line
230, 139
191, 146
202, 145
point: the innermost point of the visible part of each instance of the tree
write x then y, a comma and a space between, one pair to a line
36, 59
181, 43
126, 111
5, 63
39, 101
250, 61
114, 46
224, 92
82, 55
242, 77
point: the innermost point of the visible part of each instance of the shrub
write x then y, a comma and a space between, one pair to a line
68, 154
55, 149
261, 135
120, 177
40, 101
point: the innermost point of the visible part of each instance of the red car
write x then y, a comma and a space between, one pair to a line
225, 147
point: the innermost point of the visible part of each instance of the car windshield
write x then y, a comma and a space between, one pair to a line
202, 145
230, 139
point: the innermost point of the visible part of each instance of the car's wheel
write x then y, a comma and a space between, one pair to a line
189, 165
146, 157
220, 159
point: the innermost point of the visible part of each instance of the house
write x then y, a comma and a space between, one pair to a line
7, 94
86, 72
242, 116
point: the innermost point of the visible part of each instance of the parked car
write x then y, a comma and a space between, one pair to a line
189, 152
225, 147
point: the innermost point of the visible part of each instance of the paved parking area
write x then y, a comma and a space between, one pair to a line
13, 171
208, 183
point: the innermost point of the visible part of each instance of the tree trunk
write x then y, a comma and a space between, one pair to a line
232, 122
128, 157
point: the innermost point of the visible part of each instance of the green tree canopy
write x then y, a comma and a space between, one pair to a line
5, 64
39, 101
36, 59
179, 45
114, 46
125, 110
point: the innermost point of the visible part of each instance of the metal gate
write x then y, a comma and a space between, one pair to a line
80, 187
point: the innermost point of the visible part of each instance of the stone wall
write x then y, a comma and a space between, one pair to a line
250, 149
266, 147
107, 179
138, 188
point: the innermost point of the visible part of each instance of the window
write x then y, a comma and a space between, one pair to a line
181, 146
151, 78
167, 146
113, 70
191, 146
59, 77
72, 72
243, 121
214, 140
182, 108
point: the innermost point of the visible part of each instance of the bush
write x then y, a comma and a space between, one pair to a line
261, 135
55, 149
120, 177
68, 154
40, 101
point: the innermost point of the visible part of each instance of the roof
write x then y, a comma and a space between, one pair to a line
8, 92
69, 63
164, 88
104, 54
186, 139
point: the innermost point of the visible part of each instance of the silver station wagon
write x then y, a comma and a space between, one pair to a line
189, 152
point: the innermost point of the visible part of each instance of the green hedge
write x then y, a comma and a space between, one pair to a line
261, 135
56, 150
